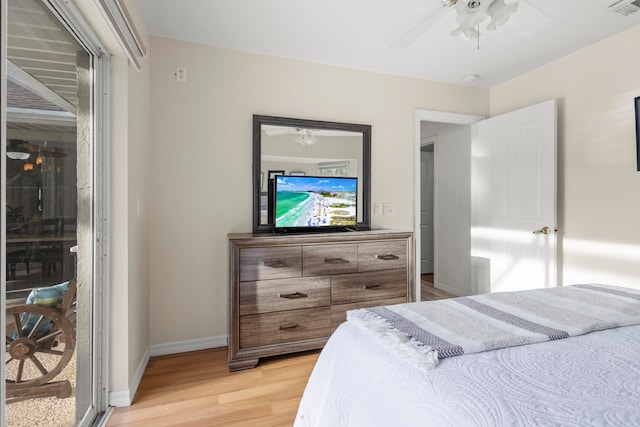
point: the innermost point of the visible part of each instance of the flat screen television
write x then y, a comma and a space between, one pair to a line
315, 203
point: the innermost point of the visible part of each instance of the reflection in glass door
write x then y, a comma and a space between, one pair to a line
49, 226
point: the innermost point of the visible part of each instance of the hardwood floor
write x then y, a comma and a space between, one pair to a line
197, 389
427, 290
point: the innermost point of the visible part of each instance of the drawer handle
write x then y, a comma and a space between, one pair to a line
275, 264
372, 285
387, 257
336, 261
293, 295
287, 326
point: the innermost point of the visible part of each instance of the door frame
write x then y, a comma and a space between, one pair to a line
440, 117
71, 17
3, 200
426, 142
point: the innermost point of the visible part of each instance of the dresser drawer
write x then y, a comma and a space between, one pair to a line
339, 312
266, 296
348, 288
284, 327
278, 262
373, 256
287, 293
318, 260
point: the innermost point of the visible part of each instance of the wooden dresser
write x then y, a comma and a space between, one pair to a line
287, 293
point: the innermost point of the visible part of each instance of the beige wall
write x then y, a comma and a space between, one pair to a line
129, 174
119, 229
599, 186
129, 223
452, 205
201, 160
139, 172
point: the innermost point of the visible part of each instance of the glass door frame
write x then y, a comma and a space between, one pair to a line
3, 193
75, 23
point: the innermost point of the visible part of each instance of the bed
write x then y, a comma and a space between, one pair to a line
554, 357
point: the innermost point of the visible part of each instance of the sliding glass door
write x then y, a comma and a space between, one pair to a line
52, 217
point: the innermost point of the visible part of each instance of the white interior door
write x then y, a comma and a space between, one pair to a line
426, 212
514, 200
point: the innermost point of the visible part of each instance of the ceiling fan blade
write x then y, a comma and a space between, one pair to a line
52, 154
18, 144
278, 130
420, 28
286, 130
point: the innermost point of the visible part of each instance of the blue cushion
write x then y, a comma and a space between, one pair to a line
49, 296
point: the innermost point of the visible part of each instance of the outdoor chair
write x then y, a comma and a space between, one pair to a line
40, 341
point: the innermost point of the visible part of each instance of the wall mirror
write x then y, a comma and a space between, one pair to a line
287, 146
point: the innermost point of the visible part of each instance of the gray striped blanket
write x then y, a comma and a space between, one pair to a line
433, 330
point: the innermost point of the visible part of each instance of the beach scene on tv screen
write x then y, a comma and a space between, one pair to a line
315, 201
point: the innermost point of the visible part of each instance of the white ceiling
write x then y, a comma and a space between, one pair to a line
401, 37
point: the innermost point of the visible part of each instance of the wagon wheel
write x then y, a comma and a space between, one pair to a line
35, 357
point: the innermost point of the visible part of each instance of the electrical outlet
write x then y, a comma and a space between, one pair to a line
389, 209
181, 74
377, 208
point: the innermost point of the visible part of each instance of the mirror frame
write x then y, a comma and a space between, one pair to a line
259, 120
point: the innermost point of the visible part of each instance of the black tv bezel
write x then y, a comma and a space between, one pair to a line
312, 229
637, 104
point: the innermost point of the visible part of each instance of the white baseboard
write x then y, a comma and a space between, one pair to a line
120, 398
125, 397
450, 289
189, 345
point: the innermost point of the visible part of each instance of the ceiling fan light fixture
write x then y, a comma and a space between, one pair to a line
18, 155
471, 13
469, 16
305, 137
473, 4
500, 12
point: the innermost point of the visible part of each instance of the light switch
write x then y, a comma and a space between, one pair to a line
389, 209
181, 74
377, 208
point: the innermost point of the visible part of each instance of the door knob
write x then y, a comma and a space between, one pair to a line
543, 230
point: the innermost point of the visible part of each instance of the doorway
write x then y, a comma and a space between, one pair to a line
427, 226
451, 261
53, 216
513, 189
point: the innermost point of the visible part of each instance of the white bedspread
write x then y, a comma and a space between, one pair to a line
425, 332
588, 380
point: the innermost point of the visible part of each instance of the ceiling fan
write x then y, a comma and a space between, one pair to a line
469, 14
18, 149
273, 130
